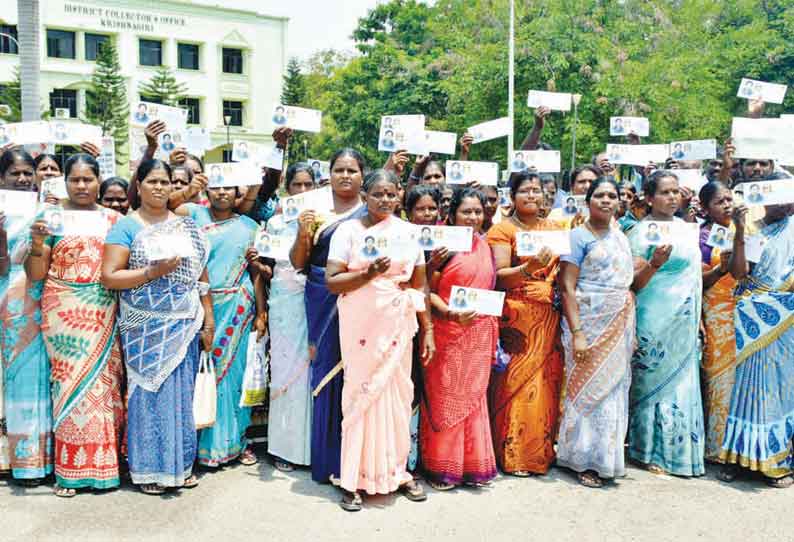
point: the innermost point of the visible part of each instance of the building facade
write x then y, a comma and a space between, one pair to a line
230, 60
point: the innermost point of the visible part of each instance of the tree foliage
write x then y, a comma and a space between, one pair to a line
11, 96
677, 62
106, 98
163, 88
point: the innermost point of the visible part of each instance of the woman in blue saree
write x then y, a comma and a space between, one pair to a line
310, 252
666, 414
229, 235
760, 424
164, 304
26, 367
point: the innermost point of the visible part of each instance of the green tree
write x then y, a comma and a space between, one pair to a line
106, 97
294, 93
11, 96
163, 88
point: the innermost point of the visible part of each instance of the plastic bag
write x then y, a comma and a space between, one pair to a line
255, 378
205, 397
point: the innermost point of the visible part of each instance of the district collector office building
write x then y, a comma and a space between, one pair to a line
231, 60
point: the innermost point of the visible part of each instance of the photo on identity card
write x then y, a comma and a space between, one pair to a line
462, 172
55, 186
657, 233
505, 198
320, 201
53, 216
142, 113
25, 133
530, 243
751, 89
575, 204
720, 237
374, 245
483, 302
402, 132
540, 161
234, 174
697, 149
454, 238
273, 246
297, 118
320, 169
638, 126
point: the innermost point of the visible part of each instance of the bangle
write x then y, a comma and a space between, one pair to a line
576, 330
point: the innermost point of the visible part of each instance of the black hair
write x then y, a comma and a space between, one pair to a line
519, 178
625, 184
379, 175
436, 163
40, 158
81, 158
587, 167
458, 196
598, 182
652, 182
354, 154
197, 160
418, 192
425, 228
708, 192
12, 155
368, 237
294, 169
113, 181
147, 166
183, 167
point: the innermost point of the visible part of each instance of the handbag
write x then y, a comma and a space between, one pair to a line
205, 394
254, 390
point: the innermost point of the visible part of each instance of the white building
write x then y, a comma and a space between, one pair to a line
231, 60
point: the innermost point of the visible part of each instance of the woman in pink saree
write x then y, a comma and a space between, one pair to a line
378, 271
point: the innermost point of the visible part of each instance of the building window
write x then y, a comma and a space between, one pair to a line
234, 110
188, 56
92, 44
150, 52
8, 33
193, 109
152, 99
232, 60
60, 44
61, 98
227, 155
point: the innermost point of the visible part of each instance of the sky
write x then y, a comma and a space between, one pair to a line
314, 24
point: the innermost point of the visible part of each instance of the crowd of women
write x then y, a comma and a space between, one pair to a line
374, 378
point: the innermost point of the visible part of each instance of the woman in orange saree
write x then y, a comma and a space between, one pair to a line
455, 432
524, 398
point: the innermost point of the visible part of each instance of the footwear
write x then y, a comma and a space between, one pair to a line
655, 469
728, 473
520, 474
590, 478
413, 491
284, 466
152, 489
190, 482
351, 502
780, 483
441, 486
248, 458
65, 492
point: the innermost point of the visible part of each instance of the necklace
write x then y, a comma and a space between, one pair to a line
518, 222
595, 232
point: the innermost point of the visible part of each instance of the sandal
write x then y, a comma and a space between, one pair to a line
520, 474
655, 469
351, 501
728, 473
284, 466
152, 489
190, 482
441, 486
590, 478
413, 491
65, 492
780, 483
248, 458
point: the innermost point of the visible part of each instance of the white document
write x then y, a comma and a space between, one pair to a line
168, 142
454, 238
493, 129
320, 201
137, 144
169, 245
243, 151
638, 126
107, 158
36, 149
25, 133
485, 173
768, 192
530, 243
540, 161
53, 216
669, 233
297, 118
690, 178
697, 149
374, 245
197, 140
763, 139
751, 89
273, 246
440, 142
234, 174
321, 169
403, 132
754, 247
483, 302
720, 237
558, 101
142, 113
84, 224
55, 186
74, 133
17, 203
637, 155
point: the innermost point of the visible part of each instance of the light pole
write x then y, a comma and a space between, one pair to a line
29, 32
511, 82
576, 99
227, 121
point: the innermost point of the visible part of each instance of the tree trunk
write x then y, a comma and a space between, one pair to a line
29, 58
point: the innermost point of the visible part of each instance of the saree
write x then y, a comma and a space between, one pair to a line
81, 337
524, 400
455, 429
596, 407
158, 324
322, 320
718, 367
760, 423
26, 367
290, 415
666, 412
234, 309
377, 323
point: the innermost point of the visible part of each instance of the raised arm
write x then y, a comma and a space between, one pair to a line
301, 249
738, 264
533, 139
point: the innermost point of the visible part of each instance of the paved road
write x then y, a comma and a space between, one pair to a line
261, 504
